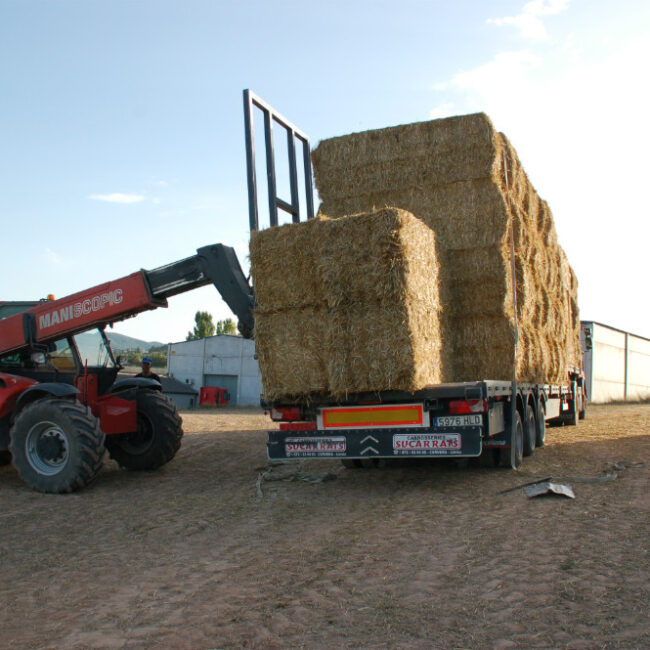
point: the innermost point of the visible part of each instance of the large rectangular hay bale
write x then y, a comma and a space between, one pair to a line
367, 317
464, 179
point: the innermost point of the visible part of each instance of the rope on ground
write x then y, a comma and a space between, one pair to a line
287, 477
611, 469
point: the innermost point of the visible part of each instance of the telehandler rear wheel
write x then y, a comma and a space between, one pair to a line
157, 438
56, 445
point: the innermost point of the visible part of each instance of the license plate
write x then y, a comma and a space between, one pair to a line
458, 421
315, 446
426, 444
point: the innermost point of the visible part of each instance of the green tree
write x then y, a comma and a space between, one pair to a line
133, 358
226, 326
203, 327
158, 359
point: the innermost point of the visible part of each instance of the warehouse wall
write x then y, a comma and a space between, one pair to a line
230, 358
618, 365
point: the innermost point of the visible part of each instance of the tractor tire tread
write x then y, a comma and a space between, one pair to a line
89, 446
167, 437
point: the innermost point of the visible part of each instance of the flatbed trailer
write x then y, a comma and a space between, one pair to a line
499, 421
455, 420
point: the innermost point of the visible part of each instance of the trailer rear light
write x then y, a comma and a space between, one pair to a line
297, 426
286, 413
467, 406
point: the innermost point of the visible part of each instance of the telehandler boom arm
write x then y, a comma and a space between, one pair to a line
50, 320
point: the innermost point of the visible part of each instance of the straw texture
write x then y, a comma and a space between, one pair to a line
377, 301
352, 305
465, 180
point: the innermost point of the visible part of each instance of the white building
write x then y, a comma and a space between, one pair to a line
616, 363
223, 360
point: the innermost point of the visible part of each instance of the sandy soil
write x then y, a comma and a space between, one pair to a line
413, 555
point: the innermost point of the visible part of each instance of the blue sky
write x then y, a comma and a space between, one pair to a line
121, 125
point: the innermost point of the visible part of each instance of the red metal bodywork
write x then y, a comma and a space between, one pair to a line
11, 388
115, 414
73, 314
84, 310
214, 396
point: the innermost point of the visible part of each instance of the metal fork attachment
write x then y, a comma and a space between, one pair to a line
251, 100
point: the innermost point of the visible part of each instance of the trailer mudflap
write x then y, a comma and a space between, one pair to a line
376, 443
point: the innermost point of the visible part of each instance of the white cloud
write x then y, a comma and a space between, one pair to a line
505, 72
443, 110
529, 21
117, 198
578, 124
53, 257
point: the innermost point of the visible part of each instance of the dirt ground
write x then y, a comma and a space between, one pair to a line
416, 554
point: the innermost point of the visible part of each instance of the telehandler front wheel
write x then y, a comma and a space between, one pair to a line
56, 445
157, 438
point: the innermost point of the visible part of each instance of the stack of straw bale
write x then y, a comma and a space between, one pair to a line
347, 305
465, 181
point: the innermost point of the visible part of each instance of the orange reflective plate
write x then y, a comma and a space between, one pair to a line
359, 416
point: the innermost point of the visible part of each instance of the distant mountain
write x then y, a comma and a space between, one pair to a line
124, 343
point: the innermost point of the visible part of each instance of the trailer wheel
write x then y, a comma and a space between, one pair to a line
504, 454
530, 431
56, 445
540, 436
157, 438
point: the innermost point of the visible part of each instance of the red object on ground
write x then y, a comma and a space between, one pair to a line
213, 396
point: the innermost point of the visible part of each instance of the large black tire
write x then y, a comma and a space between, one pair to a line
540, 437
56, 445
157, 439
506, 460
530, 431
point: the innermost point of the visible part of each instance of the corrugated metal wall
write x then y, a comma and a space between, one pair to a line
196, 361
618, 365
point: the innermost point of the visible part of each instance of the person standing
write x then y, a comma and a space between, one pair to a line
146, 370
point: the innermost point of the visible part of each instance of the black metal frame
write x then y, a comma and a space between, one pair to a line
217, 264
251, 100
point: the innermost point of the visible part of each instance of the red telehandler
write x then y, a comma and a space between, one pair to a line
61, 402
